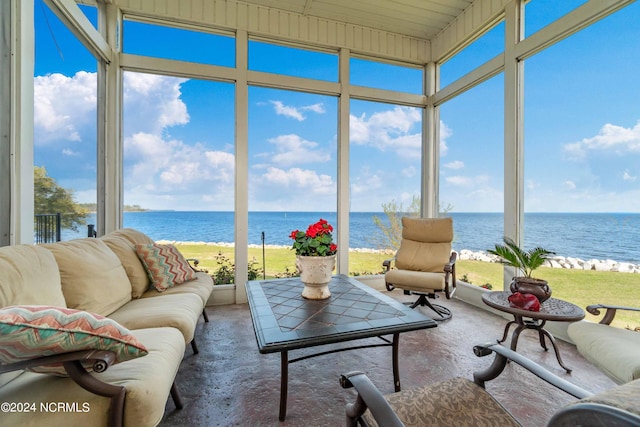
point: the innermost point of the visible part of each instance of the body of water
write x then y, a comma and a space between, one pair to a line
587, 236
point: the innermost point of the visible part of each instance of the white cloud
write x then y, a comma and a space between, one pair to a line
173, 165
456, 164
70, 152
292, 149
569, 185
617, 139
626, 176
389, 130
445, 133
316, 108
458, 180
296, 112
152, 103
467, 181
297, 177
365, 185
64, 107
409, 172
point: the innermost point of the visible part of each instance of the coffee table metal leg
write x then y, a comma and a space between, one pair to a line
284, 383
396, 370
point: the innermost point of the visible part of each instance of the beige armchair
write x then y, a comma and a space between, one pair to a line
424, 263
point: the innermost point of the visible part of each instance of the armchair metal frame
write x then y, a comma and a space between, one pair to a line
592, 412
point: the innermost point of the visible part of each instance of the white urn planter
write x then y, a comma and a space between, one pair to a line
315, 274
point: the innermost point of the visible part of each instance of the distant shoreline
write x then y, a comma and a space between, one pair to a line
571, 263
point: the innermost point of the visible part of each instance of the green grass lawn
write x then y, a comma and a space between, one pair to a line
578, 286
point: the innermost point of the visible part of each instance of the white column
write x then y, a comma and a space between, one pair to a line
16, 121
242, 167
110, 139
513, 128
344, 207
430, 147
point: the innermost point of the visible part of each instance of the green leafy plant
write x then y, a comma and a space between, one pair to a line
225, 273
316, 241
526, 261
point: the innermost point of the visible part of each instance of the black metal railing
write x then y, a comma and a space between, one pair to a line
47, 228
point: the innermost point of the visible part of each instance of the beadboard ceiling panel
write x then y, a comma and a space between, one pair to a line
421, 19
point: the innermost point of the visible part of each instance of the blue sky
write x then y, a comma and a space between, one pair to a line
582, 127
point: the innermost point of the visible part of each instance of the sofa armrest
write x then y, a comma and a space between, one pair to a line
195, 263
73, 362
99, 359
610, 311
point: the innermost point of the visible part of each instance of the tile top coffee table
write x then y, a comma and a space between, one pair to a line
284, 321
552, 309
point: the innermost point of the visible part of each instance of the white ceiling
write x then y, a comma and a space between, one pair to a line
417, 18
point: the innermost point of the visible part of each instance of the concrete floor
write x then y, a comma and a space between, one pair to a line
229, 383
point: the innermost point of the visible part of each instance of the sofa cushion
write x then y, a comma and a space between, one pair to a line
126, 252
92, 276
147, 380
134, 236
165, 265
201, 286
29, 275
613, 350
180, 311
31, 331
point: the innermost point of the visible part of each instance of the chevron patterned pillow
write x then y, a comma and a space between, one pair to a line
30, 331
165, 265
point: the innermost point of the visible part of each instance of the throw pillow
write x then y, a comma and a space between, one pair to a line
30, 331
165, 265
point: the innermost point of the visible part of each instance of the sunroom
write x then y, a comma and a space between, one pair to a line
464, 72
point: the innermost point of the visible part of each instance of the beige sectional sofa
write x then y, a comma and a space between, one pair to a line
106, 277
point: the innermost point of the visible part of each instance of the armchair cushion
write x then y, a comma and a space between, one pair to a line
165, 265
431, 230
419, 256
31, 331
416, 280
425, 245
455, 402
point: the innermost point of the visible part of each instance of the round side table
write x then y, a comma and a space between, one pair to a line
552, 309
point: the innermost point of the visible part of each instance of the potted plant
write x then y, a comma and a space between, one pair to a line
526, 262
315, 258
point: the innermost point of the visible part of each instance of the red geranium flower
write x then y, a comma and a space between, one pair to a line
316, 241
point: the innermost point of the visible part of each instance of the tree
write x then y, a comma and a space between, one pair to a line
390, 234
50, 198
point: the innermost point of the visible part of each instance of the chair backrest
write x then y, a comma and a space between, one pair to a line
425, 245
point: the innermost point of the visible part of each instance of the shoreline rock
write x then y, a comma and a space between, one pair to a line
571, 263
